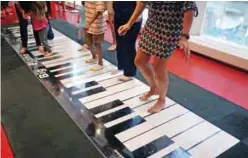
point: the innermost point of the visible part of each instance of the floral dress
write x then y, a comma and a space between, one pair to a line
163, 28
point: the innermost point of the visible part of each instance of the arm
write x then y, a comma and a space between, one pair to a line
140, 6
109, 6
187, 21
110, 10
189, 10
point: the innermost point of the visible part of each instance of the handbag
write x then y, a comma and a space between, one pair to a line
50, 34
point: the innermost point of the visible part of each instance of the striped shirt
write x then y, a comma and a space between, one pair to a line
91, 8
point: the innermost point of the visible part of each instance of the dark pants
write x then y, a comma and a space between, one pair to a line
23, 23
126, 50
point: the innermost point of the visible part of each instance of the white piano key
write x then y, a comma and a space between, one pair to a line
64, 58
165, 151
195, 135
153, 121
88, 74
143, 110
110, 111
169, 129
120, 120
105, 83
85, 89
134, 102
72, 61
214, 146
96, 78
122, 96
82, 68
36, 53
111, 90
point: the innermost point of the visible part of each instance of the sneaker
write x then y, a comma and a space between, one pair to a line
96, 68
90, 61
112, 47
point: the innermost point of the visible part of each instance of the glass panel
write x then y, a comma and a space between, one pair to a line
227, 21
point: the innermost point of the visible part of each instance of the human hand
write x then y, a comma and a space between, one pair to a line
123, 29
184, 45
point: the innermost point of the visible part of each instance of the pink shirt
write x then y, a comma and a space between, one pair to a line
39, 24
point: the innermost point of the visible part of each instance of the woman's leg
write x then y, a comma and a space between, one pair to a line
142, 62
112, 28
162, 82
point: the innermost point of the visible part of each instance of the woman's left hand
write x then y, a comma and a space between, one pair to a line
184, 45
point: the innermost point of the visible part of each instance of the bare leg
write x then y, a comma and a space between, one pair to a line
142, 62
162, 82
92, 52
112, 28
99, 53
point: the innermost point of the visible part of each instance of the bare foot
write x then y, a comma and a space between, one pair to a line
149, 94
48, 54
124, 78
22, 50
160, 104
115, 72
41, 49
112, 47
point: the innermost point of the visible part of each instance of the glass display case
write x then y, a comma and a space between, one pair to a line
227, 20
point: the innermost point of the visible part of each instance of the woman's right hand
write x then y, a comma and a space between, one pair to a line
123, 29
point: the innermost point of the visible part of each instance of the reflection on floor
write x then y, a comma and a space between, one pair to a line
110, 112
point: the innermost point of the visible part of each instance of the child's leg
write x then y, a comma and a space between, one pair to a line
85, 45
37, 41
99, 53
43, 38
97, 39
89, 41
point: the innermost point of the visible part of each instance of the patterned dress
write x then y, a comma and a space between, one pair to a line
164, 26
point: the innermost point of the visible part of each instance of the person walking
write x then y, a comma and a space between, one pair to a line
167, 26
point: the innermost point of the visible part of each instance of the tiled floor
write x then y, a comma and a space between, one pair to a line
117, 118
